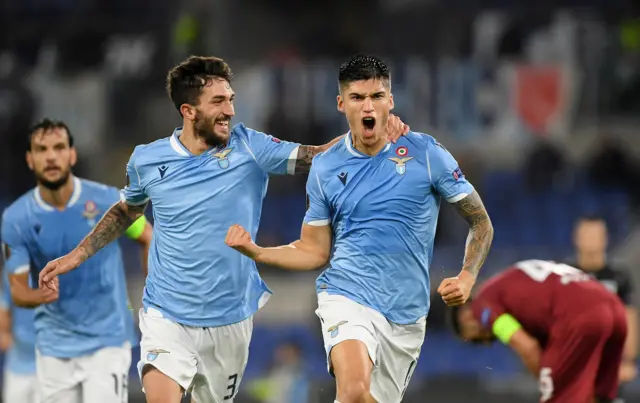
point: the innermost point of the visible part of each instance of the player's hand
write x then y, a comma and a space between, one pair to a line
396, 128
49, 275
455, 291
239, 239
48, 295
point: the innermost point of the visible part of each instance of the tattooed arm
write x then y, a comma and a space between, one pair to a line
456, 290
112, 225
480, 235
306, 154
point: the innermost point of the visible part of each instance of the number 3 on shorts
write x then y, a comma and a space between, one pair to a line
232, 387
545, 384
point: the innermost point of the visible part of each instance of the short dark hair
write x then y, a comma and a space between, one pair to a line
186, 80
47, 124
363, 67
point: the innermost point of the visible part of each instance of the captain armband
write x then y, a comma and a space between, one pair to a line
504, 327
137, 228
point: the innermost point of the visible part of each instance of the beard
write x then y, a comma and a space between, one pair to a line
55, 184
204, 127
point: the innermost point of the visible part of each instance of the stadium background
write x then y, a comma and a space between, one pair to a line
539, 103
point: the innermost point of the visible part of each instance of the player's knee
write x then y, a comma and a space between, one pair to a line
354, 391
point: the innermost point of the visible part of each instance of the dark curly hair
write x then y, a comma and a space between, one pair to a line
186, 80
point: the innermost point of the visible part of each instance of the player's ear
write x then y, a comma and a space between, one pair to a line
188, 111
340, 103
391, 103
29, 159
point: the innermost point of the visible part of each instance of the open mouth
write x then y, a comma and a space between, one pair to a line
369, 124
222, 123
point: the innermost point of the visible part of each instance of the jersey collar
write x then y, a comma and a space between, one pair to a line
177, 145
352, 149
77, 190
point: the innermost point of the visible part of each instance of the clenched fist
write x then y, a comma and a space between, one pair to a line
455, 291
239, 239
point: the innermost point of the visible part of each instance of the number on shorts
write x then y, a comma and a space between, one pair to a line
540, 270
233, 382
407, 378
121, 386
545, 384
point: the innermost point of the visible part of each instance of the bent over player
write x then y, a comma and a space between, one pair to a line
376, 204
84, 329
200, 296
568, 329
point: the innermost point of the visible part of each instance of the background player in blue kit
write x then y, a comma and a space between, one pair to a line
84, 328
18, 342
372, 215
200, 296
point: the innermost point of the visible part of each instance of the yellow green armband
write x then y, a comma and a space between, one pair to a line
137, 228
504, 327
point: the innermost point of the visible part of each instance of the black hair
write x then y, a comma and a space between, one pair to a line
186, 80
45, 125
363, 67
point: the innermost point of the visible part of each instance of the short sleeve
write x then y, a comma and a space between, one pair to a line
274, 156
445, 174
318, 212
133, 194
14, 248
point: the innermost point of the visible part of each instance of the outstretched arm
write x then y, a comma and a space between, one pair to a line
310, 252
112, 225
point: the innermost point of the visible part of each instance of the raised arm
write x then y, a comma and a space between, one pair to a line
310, 252
111, 227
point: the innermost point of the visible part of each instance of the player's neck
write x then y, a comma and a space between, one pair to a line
194, 144
592, 261
57, 198
370, 150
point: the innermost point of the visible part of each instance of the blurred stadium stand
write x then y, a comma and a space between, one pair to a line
527, 97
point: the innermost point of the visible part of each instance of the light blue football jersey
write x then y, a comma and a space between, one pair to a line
383, 211
21, 356
92, 311
194, 278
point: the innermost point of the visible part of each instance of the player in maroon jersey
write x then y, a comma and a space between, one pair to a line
568, 330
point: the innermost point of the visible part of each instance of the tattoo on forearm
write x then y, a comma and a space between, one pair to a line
305, 156
114, 223
480, 236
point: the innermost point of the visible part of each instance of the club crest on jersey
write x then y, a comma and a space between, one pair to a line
401, 166
223, 161
90, 212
